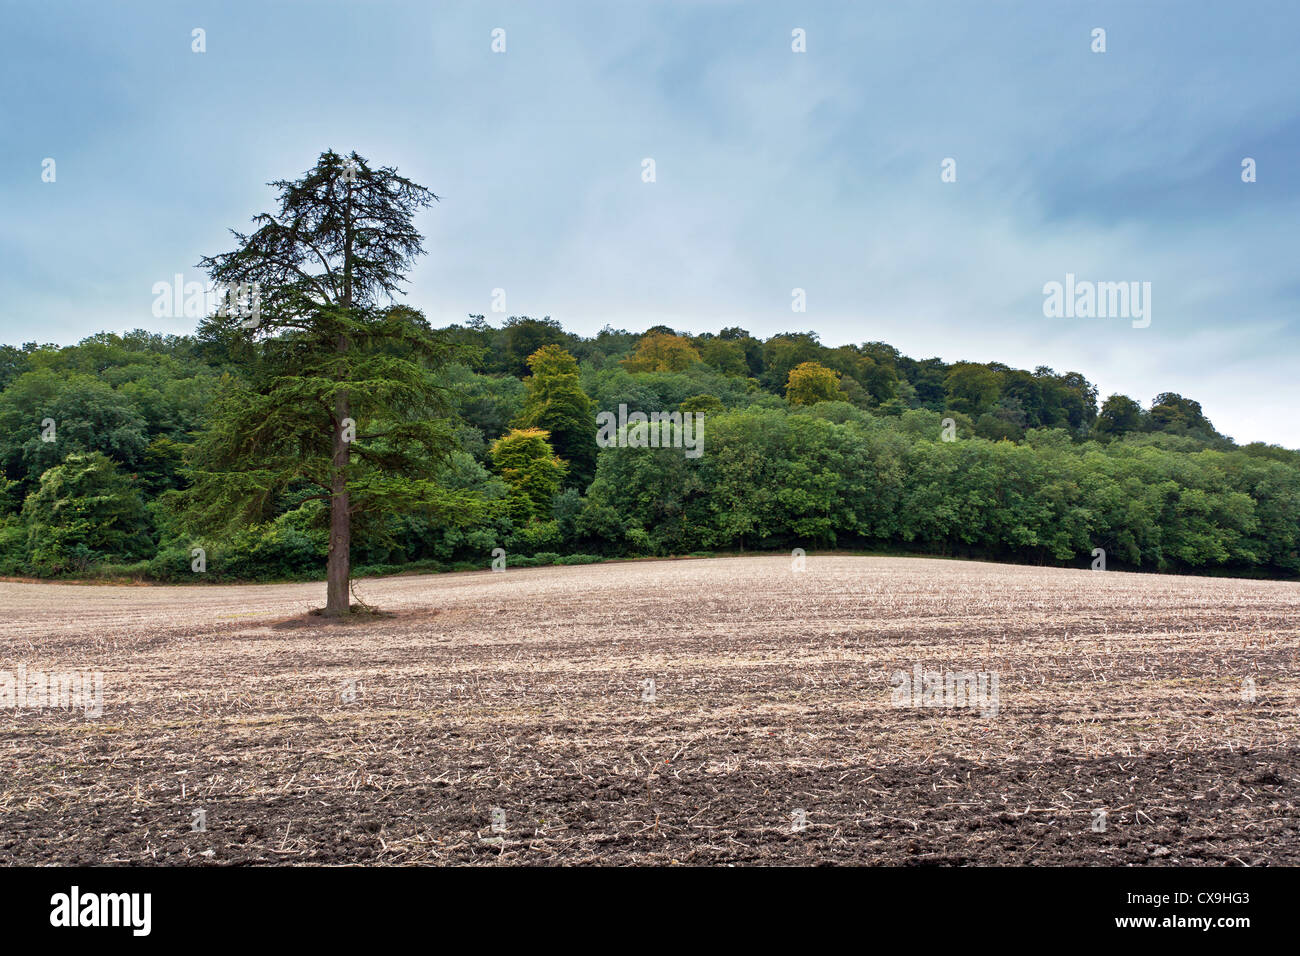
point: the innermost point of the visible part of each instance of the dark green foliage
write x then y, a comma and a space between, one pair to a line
84, 511
85, 415
225, 438
14, 361
278, 429
1119, 416
505, 351
340, 403
1172, 413
525, 459
489, 403
556, 403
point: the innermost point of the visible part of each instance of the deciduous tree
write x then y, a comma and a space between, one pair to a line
812, 382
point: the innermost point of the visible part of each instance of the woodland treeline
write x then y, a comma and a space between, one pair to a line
804, 445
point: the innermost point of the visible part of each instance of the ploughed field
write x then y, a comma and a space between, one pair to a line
506, 718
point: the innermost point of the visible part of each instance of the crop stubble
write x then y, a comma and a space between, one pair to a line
522, 691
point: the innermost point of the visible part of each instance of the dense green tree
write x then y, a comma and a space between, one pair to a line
1023, 393
811, 382
783, 352
702, 404
486, 402
878, 382
46, 415
972, 388
1077, 398
1119, 416
927, 379
525, 459
609, 347
1172, 413
556, 403
660, 351
85, 509
726, 356
1005, 421
521, 336
648, 500
1039, 474
342, 400
752, 347
14, 361
162, 468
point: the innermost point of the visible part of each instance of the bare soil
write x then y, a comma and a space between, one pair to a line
523, 692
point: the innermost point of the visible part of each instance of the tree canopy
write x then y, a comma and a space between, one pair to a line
330, 428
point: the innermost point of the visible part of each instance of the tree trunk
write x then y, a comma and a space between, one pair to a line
338, 570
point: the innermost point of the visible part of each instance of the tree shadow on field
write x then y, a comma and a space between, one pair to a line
360, 614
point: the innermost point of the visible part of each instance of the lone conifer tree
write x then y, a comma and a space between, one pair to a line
341, 404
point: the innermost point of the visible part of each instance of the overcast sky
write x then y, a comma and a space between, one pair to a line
774, 170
